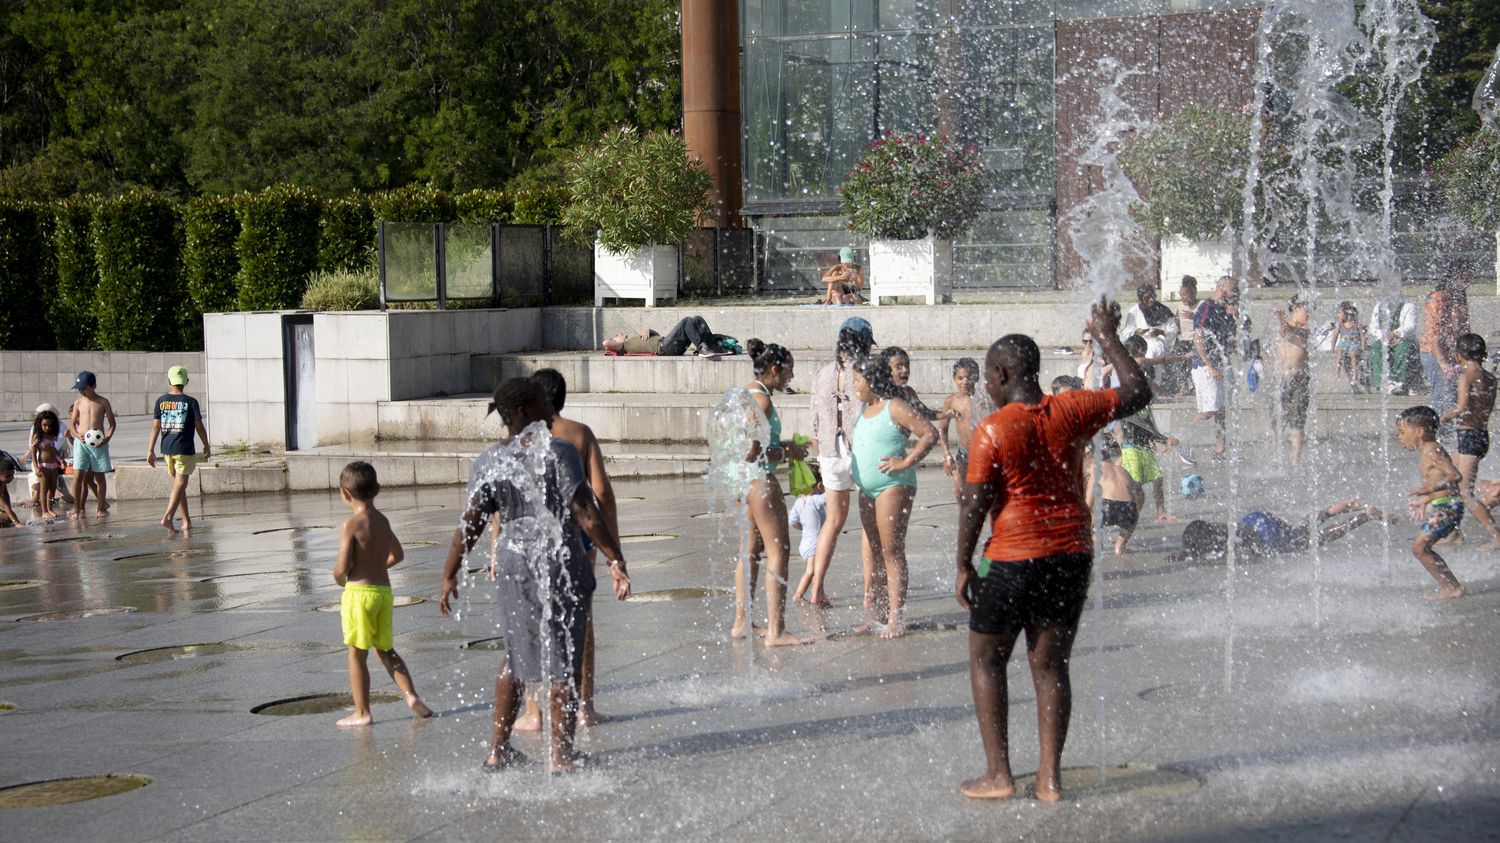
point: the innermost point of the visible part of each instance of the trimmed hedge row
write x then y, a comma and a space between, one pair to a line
141, 299
136, 272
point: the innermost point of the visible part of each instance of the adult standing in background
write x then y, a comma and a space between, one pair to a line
1155, 323
1213, 339
1187, 308
834, 412
1393, 324
1439, 365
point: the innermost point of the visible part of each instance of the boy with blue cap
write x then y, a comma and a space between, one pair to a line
91, 423
845, 280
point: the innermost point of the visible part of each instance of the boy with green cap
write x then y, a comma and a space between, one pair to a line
175, 417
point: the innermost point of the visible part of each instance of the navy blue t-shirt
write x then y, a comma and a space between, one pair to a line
178, 415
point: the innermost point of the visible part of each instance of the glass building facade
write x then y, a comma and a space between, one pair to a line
822, 78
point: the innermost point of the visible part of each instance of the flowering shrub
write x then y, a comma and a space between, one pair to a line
1470, 176
1190, 172
636, 190
905, 187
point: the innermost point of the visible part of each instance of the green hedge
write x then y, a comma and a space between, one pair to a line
211, 225
277, 246
539, 195
483, 206
141, 299
71, 308
348, 238
26, 273
414, 203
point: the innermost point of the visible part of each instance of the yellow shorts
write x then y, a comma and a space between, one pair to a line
366, 611
181, 465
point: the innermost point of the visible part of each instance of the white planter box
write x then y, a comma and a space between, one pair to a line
911, 268
648, 273
1205, 260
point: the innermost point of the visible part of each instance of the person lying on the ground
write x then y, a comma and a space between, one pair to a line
689, 332
1260, 534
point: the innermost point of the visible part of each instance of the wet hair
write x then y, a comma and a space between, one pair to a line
1062, 382
1135, 346
764, 357
36, 423
852, 345
1470, 347
515, 393
877, 373
1109, 449
1298, 301
966, 363
1018, 353
359, 480
554, 385
1145, 290
892, 352
1423, 418
1189, 283
1347, 308
1204, 541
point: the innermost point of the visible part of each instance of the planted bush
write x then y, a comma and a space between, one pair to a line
539, 195
905, 187
71, 308
414, 203
1190, 172
636, 190
1470, 176
348, 238
482, 206
277, 246
211, 225
26, 272
342, 290
141, 298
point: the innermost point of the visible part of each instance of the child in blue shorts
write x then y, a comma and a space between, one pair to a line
368, 549
1437, 506
1261, 534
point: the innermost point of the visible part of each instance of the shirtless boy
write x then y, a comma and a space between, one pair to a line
1476, 400
91, 411
958, 407
597, 478
1291, 366
368, 549
1118, 495
1436, 505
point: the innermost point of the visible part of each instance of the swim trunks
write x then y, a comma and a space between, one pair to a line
1443, 517
1011, 596
1473, 443
88, 457
181, 465
1140, 464
366, 612
961, 459
1295, 395
1266, 534
877, 437
1120, 514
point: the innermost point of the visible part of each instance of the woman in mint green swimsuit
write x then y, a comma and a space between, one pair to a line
765, 504
885, 474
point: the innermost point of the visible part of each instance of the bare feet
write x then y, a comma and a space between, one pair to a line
989, 786
1446, 593
566, 762
356, 719
823, 601
1164, 518
530, 720
738, 630
418, 707
503, 757
893, 630
187, 525
589, 716
1046, 792
786, 639
168, 523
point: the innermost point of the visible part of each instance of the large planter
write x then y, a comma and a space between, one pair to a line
911, 268
648, 273
1205, 260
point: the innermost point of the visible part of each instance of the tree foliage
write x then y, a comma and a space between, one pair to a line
221, 96
635, 190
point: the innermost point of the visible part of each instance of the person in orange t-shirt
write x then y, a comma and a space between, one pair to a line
1026, 467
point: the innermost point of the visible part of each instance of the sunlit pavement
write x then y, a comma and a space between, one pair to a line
1301, 698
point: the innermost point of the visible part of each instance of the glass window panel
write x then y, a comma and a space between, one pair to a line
410, 262
468, 261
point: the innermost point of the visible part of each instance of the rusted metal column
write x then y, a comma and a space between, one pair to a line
711, 99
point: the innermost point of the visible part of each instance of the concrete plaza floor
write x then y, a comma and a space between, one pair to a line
1303, 698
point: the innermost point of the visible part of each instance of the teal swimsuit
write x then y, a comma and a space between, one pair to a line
877, 437
774, 439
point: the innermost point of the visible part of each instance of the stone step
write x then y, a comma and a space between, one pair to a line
651, 418
137, 481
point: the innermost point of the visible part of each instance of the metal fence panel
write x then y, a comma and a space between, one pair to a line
410, 261
522, 266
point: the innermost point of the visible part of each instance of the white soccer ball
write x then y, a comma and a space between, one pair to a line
93, 438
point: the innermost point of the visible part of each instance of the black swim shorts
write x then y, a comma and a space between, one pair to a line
1011, 596
1473, 443
1120, 514
1295, 394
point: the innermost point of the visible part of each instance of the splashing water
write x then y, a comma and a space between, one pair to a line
734, 423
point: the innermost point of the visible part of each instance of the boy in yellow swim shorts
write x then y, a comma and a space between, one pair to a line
368, 549
175, 418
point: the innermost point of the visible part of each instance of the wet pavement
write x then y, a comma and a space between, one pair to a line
1302, 698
